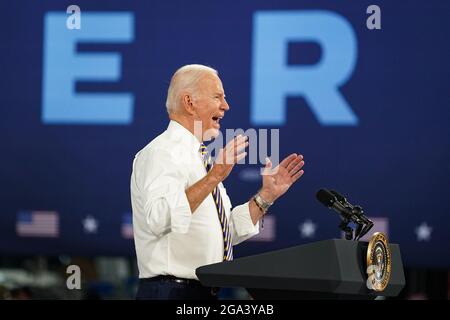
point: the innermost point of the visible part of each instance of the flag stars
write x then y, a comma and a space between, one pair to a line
90, 224
423, 232
307, 229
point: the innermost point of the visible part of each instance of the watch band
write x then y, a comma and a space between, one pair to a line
262, 204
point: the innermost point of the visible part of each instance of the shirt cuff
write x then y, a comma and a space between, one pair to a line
242, 221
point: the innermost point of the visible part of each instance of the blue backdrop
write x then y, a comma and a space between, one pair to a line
369, 110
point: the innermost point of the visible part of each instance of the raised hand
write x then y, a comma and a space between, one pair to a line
228, 157
276, 181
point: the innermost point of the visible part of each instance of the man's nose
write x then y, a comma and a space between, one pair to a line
225, 106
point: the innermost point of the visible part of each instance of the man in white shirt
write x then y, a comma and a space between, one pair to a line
182, 215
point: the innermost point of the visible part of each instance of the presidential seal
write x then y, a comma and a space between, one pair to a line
378, 262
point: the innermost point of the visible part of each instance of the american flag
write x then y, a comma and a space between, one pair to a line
37, 224
127, 226
380, 224
267, 234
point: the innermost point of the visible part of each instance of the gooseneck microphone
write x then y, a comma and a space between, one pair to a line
357, 211
348, 212
330, 200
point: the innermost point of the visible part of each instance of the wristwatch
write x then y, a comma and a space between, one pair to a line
261, 203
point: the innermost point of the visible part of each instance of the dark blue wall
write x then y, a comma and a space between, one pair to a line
394, 160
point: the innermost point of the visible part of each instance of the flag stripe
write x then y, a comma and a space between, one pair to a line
126, 229
37, 224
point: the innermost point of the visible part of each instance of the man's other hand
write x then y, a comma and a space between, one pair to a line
278, 180
228, 157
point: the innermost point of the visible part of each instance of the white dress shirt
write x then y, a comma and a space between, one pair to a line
169, 238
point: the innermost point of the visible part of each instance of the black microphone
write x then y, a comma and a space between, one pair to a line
356, 210
339, 196
330, 200
357, 215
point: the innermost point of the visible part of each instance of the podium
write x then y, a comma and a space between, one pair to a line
329, 269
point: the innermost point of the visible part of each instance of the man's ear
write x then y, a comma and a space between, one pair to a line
188, 104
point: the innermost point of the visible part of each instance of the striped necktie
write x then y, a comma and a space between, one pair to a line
228, 248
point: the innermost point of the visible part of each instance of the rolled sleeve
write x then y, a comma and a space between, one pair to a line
163, 184
243, 227
168, 209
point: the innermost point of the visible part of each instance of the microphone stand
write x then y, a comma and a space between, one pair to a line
346, 228
354, 214
364, 224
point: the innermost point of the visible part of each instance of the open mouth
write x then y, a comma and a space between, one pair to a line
217, 119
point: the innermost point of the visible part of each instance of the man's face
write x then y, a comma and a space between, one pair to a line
210, 105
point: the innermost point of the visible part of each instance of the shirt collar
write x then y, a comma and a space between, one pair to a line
183, 135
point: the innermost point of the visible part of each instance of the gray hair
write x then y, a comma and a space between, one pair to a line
185, 79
